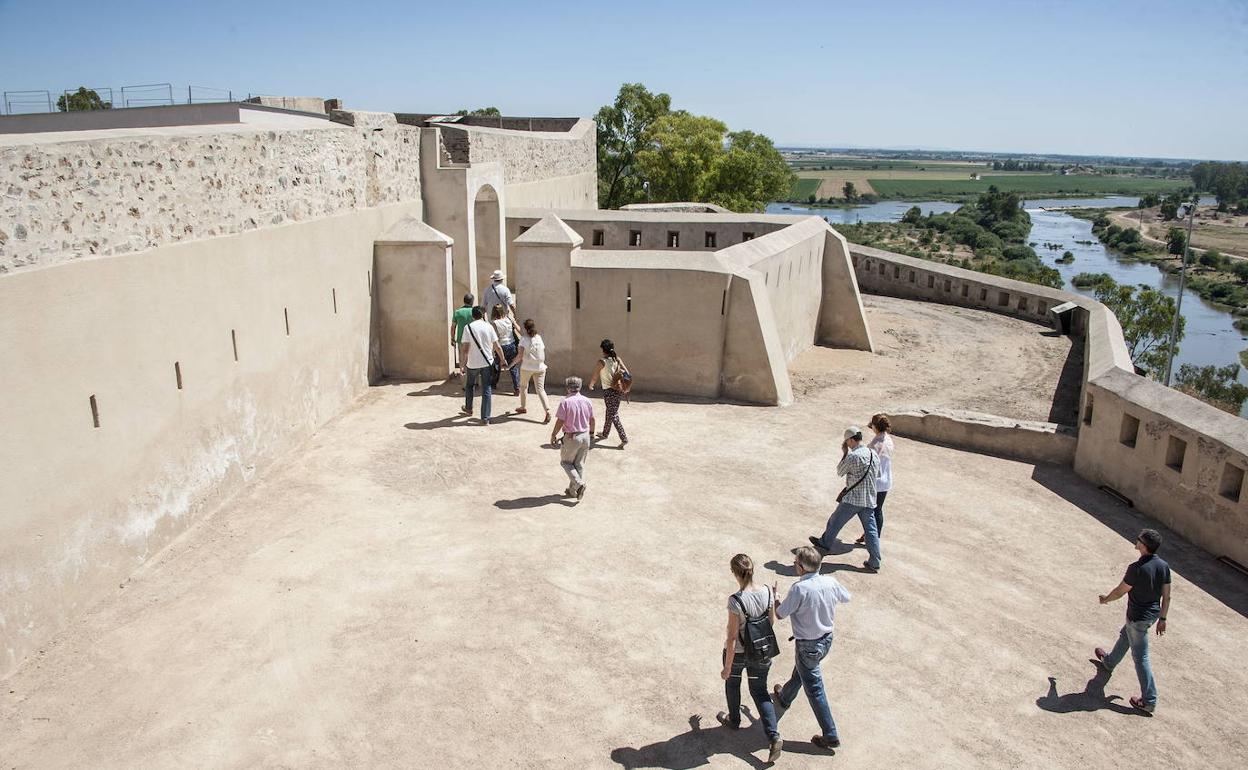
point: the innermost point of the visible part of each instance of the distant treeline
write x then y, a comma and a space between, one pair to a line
1020, 165
1227, 181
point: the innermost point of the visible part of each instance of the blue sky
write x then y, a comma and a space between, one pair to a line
1127, 78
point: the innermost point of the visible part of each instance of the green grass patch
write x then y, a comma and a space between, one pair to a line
1052, 185
803, 189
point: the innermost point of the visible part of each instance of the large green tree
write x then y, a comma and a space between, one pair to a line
488, 112
622, 127
1218, 386
646, 151
82, 99
1147, 317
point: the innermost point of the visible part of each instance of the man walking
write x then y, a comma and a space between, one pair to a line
575, 417
459, 319
497, 293
478, 351
1147, 586
859, 467
810, 607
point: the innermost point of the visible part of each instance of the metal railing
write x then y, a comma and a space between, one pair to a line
139, 95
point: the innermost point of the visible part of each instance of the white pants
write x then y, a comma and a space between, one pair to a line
539, 383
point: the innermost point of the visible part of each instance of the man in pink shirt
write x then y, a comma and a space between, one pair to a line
575, 417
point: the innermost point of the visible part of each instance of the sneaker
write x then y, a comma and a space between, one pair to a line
776, 747
580, 492
623, 443
861, 541
826, 743
522, 410
867, 566
1147, 708
1100, 655
726, 722
818, 544
568, 492
467, 412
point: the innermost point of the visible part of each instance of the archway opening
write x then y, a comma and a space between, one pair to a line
487, 234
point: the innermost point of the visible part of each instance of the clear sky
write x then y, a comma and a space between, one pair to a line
1125, 78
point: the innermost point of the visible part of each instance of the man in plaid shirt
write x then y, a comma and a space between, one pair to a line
859, 467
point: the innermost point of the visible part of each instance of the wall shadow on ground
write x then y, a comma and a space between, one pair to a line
1189, 561
1065, 407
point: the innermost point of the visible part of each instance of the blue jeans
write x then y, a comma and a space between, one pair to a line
1134, 635
843, 513
806, 674
487, 388
756, 675
509, 352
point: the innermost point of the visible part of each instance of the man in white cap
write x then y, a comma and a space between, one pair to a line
498, 294
859, 467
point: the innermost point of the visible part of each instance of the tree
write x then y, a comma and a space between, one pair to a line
1211, 258
1146, 316
622, 127
1149, 200
1240, 268
82, 99
679, 152
1169, 210
1218, 386
913, 215
850, 192
747, 174
1176, 241
489, 112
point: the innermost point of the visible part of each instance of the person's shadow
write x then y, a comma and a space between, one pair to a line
1092, 698
534, 502
694, 747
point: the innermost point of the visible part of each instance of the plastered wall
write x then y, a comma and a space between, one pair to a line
111, 340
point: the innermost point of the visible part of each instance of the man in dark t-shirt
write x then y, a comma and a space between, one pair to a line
1147, 586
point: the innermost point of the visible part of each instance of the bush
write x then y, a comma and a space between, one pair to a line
1017, 252
1211, 258
1090, 280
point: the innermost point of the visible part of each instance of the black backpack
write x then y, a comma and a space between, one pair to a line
757, 634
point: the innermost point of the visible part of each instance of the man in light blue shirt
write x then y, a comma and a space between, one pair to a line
859, 467
810, 607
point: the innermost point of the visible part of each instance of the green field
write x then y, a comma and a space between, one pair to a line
1032, 184
804, 188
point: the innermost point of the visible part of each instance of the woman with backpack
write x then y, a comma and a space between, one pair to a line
532, 367
614, 376
748, 649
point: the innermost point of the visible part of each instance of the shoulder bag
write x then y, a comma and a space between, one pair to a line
863, 478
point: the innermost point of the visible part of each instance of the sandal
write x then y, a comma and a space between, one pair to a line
522, 410
547, 418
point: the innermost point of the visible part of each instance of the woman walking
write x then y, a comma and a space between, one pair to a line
532, 367
882, 444
610, 367
507, 338
748, 602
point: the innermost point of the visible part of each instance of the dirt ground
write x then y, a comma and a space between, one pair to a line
1228, 233
408, 590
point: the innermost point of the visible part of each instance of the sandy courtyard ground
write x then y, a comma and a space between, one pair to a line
408, 590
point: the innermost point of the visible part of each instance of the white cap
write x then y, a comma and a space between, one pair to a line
853, 431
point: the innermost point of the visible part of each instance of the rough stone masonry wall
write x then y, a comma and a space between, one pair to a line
532, 157
106, 196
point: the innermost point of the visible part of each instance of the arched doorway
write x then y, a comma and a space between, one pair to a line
487, 234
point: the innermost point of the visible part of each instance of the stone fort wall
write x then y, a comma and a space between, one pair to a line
59, 200
1172, 456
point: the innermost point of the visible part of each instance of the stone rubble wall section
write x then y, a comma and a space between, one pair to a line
75, 199
534, 157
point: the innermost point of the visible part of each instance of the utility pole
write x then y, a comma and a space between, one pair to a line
1178, 310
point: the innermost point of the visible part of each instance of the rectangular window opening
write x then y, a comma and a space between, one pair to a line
370, 282
790, 271
600, 237
628, 301
896, 272
234, 343
747, 237
177, 373
723, 303
1042, 308
948, 285
882, 268
1003, 299
983, 295
1022, 304
634, 237
966, 290
1176, 451
1129, 431
710, 240
673, 239
911, 276
286, 315
1087, 411
1232, 482
95, 412
335, 295
931, 281
578, 295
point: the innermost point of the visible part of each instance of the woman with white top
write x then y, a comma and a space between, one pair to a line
532, 359
507, 338
882, 445
609, 367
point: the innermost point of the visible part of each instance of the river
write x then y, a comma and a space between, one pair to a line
1209, 339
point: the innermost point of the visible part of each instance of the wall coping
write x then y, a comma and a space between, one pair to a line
656, 217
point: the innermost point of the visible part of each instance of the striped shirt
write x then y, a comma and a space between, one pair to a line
860, 463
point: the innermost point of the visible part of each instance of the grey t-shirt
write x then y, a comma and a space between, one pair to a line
756, 603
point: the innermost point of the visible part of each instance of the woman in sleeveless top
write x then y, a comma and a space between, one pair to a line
882, 445
532, 357
608, 366
754, 602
